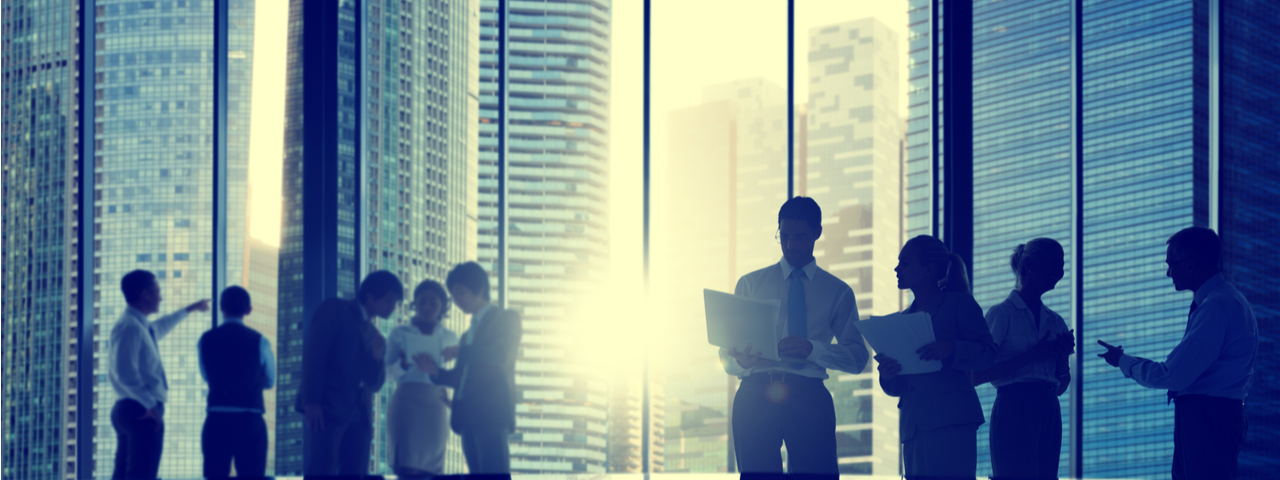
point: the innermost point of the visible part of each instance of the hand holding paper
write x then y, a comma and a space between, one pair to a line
905, 340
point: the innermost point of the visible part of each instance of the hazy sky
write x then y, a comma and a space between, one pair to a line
695, 43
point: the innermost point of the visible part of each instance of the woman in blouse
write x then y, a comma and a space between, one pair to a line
417, 416
939, 411
1032, 346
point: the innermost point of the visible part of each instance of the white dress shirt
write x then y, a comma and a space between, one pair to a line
264, 355
136, 372
441, 338
1014, 330
832, 314
1218, 353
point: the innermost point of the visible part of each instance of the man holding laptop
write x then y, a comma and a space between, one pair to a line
785, 400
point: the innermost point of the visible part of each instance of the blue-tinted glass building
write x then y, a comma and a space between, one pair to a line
1248, 191
1022, 155
555, 243
917, 180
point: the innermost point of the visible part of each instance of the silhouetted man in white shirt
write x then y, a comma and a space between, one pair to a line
1209, 373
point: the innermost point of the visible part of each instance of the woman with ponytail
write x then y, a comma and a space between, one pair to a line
939, 411
1032, 346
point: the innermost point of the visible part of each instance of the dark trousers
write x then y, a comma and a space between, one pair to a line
342, 448
486, 450
1208, 433
139, 443
240, 437
772, 409
1026, 432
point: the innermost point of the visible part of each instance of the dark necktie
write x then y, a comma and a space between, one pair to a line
1174, 393
797, 310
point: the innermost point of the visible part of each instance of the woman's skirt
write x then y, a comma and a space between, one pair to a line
417, 428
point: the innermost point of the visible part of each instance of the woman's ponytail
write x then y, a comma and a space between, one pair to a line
957, 279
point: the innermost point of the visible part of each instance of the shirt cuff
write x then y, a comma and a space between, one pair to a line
1126, 363
147, 403
816, 351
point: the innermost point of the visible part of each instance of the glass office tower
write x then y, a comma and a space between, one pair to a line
852, 168
553, 146
1022, 146
385, 185
40, 104
918, 178
1249, 99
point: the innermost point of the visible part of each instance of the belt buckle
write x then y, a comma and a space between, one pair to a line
777, 377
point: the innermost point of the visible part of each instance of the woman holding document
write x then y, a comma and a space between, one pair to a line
940, 412
417, 419
1033, 344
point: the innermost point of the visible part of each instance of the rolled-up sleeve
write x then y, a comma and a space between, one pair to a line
849, 354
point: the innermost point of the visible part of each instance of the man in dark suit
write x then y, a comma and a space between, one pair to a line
341, 371
237, 363
484, 405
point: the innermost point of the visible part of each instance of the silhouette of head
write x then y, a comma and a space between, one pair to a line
469, 285
380, 292
799, 227
1194, 255
925, 261
1038, 264
141, 291
235, 302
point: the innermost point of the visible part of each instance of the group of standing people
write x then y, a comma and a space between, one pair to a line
345, 362
1020, 346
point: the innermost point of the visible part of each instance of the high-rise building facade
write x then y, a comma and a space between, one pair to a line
40, 53
544, 127
385, 142
152, 162
852, 168
918, 177
1021, 156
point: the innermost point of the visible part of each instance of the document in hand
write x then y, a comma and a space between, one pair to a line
898, 336
734, 322
432, 345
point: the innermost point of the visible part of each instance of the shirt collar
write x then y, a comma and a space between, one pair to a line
226, 320
480, 314
809, 268
364, 314
1017, 300
1206, 287
142, 317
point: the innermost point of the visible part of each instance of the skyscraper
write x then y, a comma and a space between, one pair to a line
152, 167
726, 177
385, 186
853, 169
918, 179
40, 103
1021, 157
543, 169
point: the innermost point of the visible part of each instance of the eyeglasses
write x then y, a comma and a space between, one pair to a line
783, 238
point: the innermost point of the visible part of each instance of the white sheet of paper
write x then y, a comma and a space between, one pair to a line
898, 336
417, 343
734, 322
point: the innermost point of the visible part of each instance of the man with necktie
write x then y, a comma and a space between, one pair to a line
483, 379
1209, 372
138, 377
786, 401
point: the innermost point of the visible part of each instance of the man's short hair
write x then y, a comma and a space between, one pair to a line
801, 208
136, 283
378, 284
1198, 243
235, 302
470, 275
